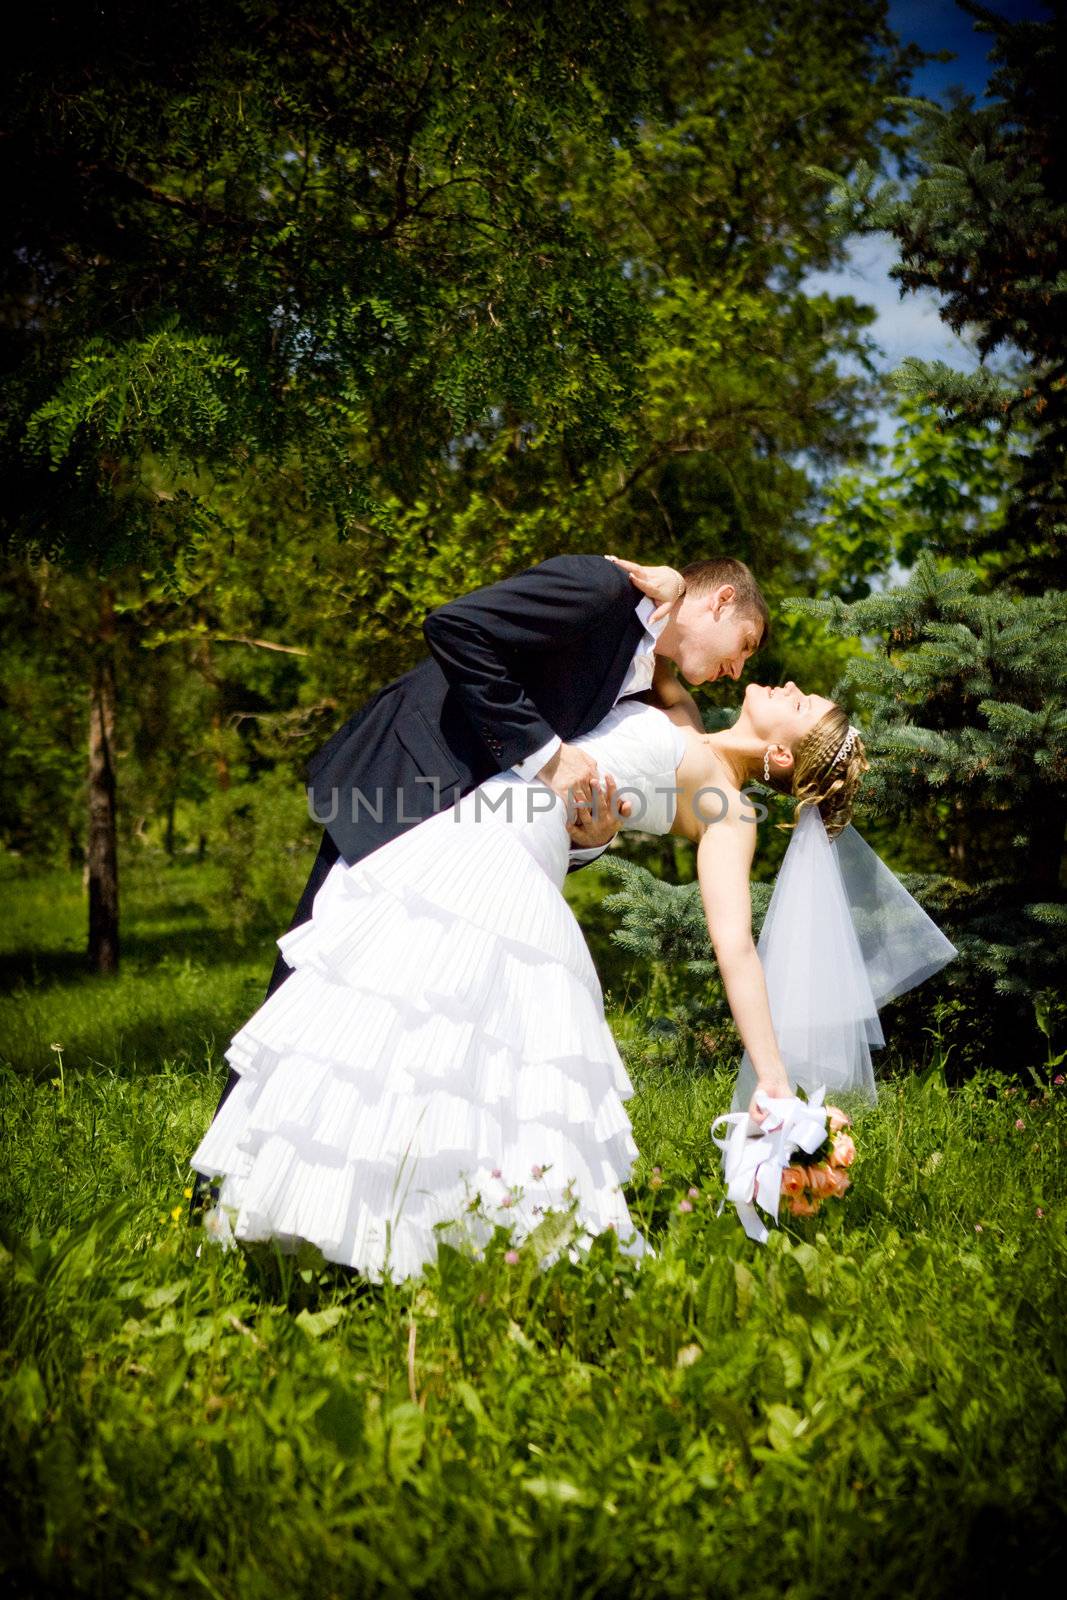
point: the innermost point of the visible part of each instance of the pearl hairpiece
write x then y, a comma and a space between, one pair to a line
846, 744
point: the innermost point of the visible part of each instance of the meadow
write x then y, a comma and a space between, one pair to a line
874, 1402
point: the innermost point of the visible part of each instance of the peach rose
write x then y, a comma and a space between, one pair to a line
821, 1181
794, 1180
801, 1206
840, 1180
838, 1120
843, 1151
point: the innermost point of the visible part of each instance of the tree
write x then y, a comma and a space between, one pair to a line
965, 713
984, 225
967, 698
292, 235
470, 283
962, 690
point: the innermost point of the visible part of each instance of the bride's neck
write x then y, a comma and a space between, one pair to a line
741, 755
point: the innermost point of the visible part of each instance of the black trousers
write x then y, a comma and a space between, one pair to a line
328, 853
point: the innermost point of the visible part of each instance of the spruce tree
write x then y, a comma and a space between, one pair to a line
962, 689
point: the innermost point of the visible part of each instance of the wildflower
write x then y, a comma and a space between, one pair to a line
685, 1205
694, 1192
655, 1182
511, 1257
657, 1172
188, 1193
978, 1227
1058, 1080
1040, 1211
1020, 1124
508, 1200
176, 1213
495, 1172
537, 1171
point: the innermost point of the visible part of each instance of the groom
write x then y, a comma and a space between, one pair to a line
516, 670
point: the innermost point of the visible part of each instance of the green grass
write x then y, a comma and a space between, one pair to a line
874, 1401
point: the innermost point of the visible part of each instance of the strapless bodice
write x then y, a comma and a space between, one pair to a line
641, 747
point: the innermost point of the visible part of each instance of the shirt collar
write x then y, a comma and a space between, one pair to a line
645, 608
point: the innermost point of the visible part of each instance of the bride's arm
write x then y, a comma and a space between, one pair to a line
724, 860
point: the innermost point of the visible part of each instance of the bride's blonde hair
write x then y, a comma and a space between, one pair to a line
820, 777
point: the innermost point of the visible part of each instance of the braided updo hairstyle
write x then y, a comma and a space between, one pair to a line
818, 780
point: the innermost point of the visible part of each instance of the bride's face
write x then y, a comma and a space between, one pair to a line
782, 714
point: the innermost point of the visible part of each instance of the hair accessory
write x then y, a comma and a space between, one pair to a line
846, 744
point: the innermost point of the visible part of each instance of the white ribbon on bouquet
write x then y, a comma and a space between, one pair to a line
756, 1154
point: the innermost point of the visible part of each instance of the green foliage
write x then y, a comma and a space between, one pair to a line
255, 1423
299, 234
262, 839
984, 225
662, 926
965, 713
168, 392
937, 489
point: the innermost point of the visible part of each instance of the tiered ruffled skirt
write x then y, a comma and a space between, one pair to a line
439, 1055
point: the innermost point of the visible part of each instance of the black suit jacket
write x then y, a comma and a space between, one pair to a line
542, 653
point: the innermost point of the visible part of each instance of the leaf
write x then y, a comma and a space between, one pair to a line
316, 1323
784, 1427
404, 1432
557, 1491
340, 1419
553, 1233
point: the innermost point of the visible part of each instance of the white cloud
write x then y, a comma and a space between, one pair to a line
904, 327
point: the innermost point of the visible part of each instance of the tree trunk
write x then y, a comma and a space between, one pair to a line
102, 856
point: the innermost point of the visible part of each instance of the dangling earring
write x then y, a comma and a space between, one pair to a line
767, 765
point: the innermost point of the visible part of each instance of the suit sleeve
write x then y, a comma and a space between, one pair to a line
479, 640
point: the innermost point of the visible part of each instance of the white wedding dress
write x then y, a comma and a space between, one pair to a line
441, 1039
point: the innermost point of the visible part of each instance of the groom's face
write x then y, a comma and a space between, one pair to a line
714, 638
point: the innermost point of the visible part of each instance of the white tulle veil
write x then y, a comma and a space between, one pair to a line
842, 936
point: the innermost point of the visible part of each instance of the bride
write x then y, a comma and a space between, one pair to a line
439, 1054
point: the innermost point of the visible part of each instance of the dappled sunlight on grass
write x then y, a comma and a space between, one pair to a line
182, 990
881, 1382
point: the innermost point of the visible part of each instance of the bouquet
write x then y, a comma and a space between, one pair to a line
758, 1163
825, 1176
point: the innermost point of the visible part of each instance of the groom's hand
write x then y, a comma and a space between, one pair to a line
572, 775
595, 825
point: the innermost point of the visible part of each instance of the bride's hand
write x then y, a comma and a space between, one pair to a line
756, 1113
597, 824
664, 585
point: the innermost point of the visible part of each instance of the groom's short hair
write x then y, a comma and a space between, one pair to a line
700, 576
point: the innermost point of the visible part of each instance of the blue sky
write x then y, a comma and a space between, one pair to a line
912, 326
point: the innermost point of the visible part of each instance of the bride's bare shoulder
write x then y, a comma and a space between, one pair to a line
707, 792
